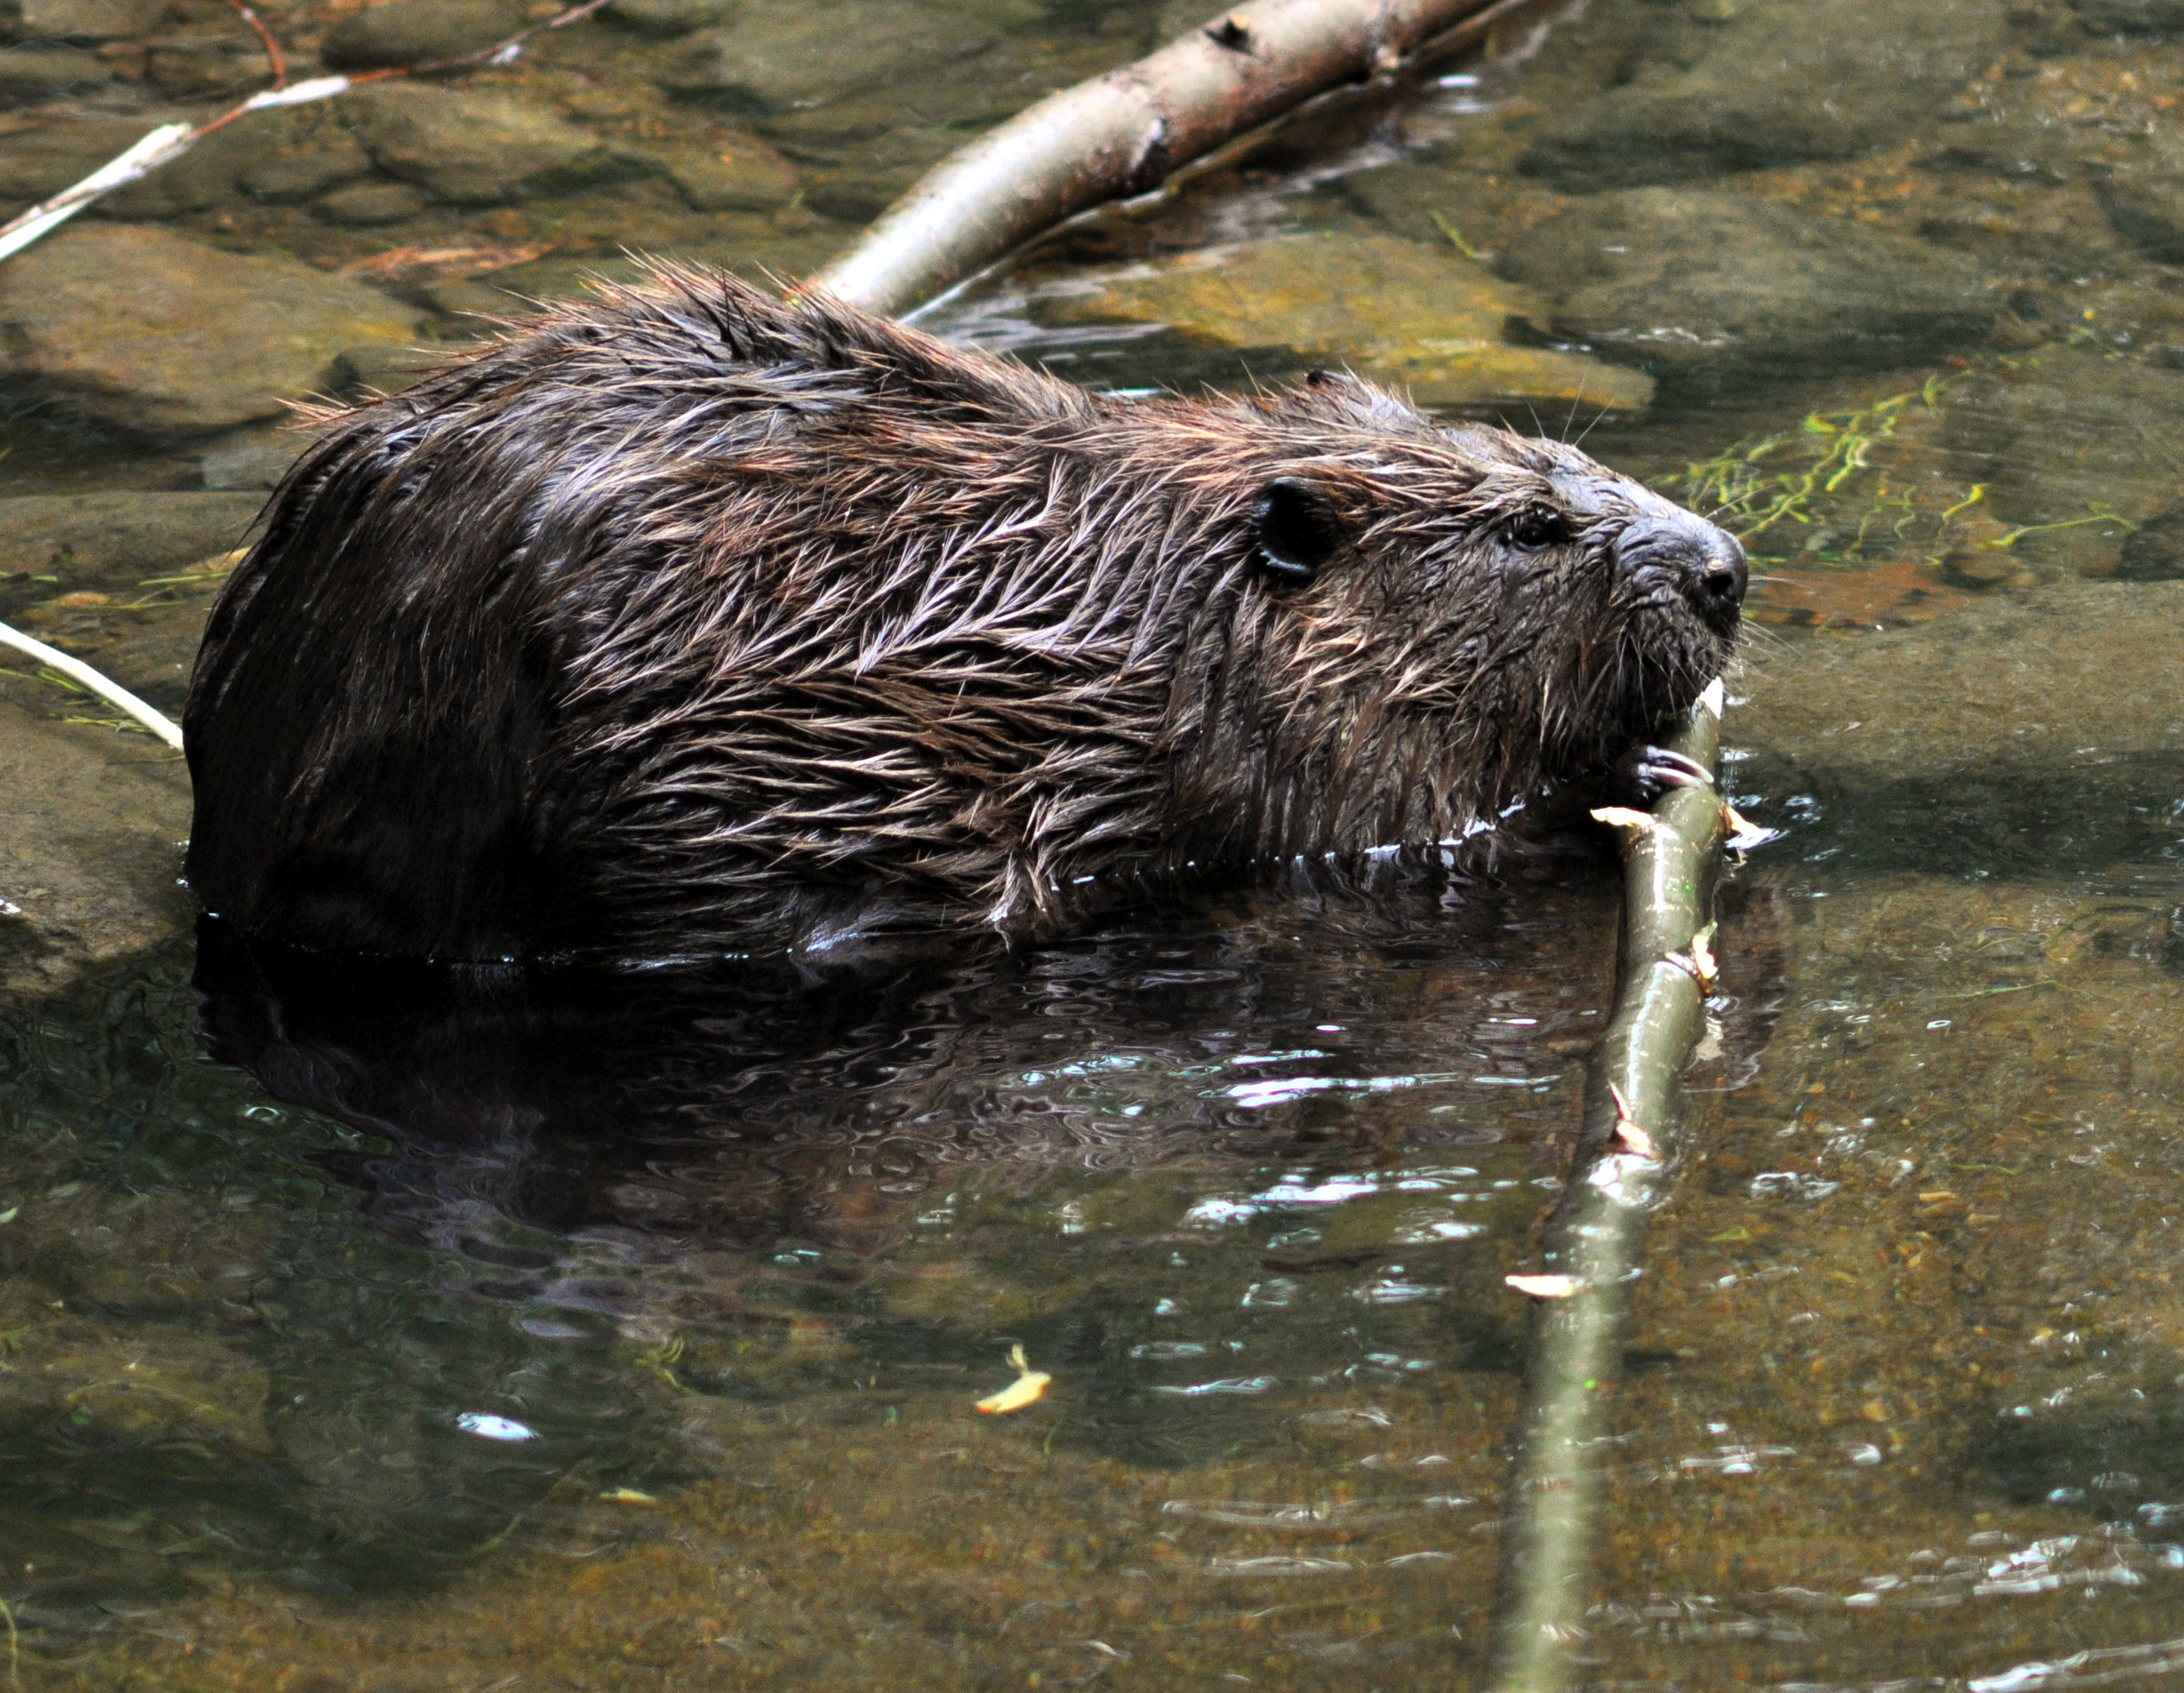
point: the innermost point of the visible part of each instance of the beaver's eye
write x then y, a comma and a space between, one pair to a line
1533, 530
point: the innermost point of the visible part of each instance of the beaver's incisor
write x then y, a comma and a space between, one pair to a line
689, 620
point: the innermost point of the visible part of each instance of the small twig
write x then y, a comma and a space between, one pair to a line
500, 53
103, 686
170, 141
274, 56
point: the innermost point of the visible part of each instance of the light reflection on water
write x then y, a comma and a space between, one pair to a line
421, 1329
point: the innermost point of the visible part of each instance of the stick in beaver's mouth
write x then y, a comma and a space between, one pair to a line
1594, 1240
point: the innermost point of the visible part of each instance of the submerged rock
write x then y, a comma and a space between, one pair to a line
475, 147
2034, 682
365, 205
1694, 284
77, 20
1777, 82
2078, 451
218, 60
328, 156
35, 162
880, 172
113, 540
1420, 318
379, 369
785, 57
417, 32
729, 174
2131, 17
2144, 198
276, 155
28, 75
252, 461
671, 17
89, 843
158, 336
152, 653
2154, 551
2027, 144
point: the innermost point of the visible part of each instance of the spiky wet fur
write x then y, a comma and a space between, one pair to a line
685, 620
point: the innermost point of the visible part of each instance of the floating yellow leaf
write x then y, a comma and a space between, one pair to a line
627, 1495
1026, 1390
1623, 817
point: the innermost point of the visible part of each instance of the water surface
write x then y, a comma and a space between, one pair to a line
387, 1330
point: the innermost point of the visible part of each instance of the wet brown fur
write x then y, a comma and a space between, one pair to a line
688, 621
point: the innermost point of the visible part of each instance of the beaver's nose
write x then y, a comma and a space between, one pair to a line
1707, 563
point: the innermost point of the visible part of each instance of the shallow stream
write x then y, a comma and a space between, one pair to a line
374, 1333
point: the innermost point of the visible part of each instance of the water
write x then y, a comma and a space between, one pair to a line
393, 1331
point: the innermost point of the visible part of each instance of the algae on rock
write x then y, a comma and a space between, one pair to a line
1422, 319
156, 335
417, 32
2074, 483
474, 146
90, 846
111, 540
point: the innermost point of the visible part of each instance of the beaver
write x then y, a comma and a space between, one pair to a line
687, 621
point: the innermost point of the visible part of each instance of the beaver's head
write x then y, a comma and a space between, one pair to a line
1450, 616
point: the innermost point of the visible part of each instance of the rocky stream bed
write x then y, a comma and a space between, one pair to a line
1895, 288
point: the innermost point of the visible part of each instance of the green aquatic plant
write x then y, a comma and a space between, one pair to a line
661, 1360
2096, 511
1821, 474
1765, 482
1456, 238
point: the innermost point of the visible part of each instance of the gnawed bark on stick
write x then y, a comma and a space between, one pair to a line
1595, 1241
1126, 132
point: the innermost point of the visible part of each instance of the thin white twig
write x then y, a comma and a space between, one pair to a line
170, 141
296, 93
105, 686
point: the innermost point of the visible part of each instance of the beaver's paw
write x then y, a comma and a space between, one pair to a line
1645, 773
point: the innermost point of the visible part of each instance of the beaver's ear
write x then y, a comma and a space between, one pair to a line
1299, 529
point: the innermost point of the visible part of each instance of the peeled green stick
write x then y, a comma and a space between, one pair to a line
1595, 1241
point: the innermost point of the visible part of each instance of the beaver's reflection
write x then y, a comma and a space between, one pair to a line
671, 1109
569, 1132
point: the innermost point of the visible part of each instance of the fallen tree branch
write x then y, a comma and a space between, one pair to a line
1595, 1241
170, 141
76, 671
1124, 133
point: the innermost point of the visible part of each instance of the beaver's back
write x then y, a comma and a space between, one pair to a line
651, 631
